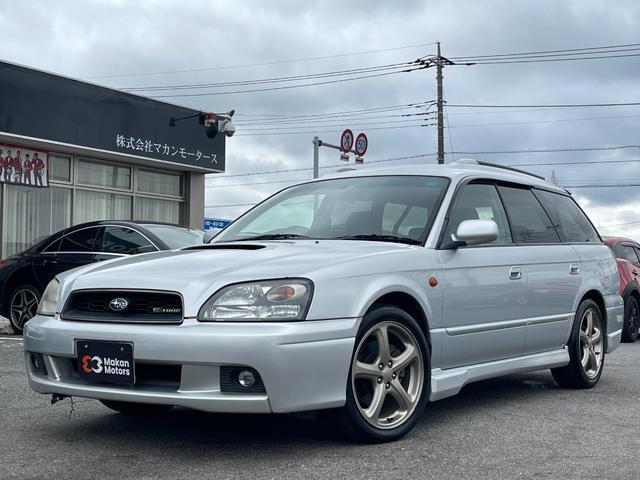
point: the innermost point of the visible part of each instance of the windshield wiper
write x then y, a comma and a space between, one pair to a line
271, 236
381, 238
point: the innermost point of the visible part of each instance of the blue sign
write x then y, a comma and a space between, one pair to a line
210, 223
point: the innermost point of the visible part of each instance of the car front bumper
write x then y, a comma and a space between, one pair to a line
303, 365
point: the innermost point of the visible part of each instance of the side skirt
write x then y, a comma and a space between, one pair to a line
445, 383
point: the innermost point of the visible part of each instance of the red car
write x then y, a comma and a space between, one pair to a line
627, 254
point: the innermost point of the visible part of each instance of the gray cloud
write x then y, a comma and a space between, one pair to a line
98, 38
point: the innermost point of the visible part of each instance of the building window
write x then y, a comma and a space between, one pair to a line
162, 183
89, 205
106, 175
32, 214
157, 210
60, 168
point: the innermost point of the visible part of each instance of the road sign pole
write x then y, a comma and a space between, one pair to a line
316, 157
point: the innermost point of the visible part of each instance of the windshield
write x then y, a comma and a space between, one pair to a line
384, 208
177, 237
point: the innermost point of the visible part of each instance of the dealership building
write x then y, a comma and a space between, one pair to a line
72, 152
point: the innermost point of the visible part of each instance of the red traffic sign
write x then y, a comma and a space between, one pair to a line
346, 141
362, 143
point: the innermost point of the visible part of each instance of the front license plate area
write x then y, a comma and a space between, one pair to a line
106, 362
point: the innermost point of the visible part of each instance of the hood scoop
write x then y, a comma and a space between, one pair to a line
226, 246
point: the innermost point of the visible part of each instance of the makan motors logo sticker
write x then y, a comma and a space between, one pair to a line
106, 365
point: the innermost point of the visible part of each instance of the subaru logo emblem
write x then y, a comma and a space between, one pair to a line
118, 304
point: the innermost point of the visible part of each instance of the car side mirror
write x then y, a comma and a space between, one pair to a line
476, 232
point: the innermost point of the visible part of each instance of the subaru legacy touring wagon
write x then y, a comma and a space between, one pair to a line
366, 294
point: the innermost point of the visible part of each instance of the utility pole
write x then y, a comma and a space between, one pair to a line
440, 106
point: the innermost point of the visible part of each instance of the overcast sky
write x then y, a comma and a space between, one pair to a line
125, 44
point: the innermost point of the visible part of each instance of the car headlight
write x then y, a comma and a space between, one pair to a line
268, 300
49, 301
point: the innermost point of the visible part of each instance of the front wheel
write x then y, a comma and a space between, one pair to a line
631, 320
136, 409
389, 379
586, 349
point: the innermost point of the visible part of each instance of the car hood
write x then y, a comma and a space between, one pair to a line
198, 272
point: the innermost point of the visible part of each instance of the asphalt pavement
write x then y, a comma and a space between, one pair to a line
520, 426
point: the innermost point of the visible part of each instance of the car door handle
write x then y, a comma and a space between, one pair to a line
574, 269
515, 273
48, 261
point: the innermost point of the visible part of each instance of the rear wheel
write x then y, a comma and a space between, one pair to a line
389, 378
137, 409
586, 349
631, 320
23, 305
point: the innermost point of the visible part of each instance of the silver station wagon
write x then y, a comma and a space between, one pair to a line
366, 294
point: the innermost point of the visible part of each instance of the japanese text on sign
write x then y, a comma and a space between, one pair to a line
164, 149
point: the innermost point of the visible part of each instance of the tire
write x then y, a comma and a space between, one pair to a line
631, 320
374, 411
23, 305
586, 344
136, 409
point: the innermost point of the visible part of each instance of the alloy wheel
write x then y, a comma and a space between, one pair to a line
634, 318
591, 342
24, 305
387, 375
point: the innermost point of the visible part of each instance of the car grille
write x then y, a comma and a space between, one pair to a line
124, 306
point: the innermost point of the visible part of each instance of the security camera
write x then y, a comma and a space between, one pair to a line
227, 127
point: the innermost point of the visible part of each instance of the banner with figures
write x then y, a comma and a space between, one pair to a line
24, 166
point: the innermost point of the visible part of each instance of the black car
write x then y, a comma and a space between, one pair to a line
24, 276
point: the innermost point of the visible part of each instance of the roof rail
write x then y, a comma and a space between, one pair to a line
487, 164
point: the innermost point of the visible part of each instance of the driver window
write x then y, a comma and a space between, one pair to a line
479, 202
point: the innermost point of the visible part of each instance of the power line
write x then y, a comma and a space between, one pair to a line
599, 185
619, 224
547, 150
517, 57
287, 87
274, 116
500, 62
313, 132
260, 81
321, 120
549, 51
530, 164
422, 155
408, 157
582, 162
533, 122
275, 62
353, 123
551, 105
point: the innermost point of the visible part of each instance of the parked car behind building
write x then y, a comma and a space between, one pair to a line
24, 276
371, 292
627, 254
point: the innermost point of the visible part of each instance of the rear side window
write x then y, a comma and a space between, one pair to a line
124, 241
80, 241
529, 222
570, 222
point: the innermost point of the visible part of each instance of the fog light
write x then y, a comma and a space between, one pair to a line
246, 378
37, 364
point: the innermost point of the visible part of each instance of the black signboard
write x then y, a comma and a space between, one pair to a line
46, 106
